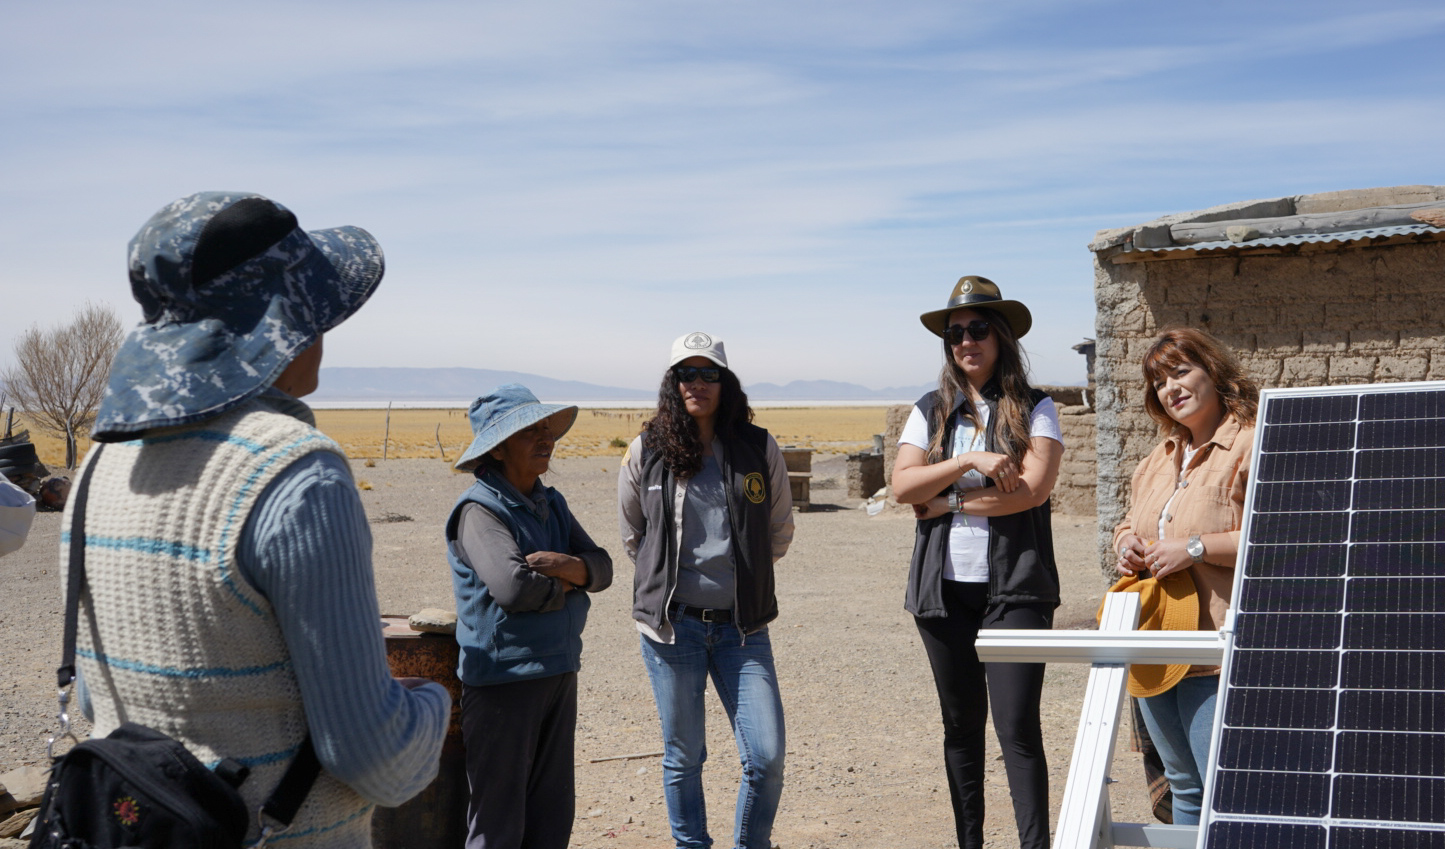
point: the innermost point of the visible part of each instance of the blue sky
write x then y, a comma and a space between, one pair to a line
564, 187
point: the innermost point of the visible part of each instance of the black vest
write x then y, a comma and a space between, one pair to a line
1021, 566
744, 467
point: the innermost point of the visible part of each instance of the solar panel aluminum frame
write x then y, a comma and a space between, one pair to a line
1208, 815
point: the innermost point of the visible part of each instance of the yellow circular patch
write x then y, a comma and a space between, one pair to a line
753, 487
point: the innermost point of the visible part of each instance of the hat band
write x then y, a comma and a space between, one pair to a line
973, 298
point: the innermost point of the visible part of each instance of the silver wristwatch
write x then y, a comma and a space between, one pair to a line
954, 502
1195, 548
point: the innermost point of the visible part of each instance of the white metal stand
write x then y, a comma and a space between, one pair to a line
1085, 821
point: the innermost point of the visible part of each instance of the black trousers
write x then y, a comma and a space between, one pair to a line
965, 686
519, 739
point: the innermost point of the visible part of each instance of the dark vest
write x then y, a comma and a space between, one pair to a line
744, 467
1021, 566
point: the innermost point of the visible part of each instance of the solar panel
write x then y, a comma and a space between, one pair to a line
1330, 730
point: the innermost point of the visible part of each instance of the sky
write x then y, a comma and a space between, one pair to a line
562, 188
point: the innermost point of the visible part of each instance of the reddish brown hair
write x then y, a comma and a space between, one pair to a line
1237, 391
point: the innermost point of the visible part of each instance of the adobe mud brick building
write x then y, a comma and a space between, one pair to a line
1333, 288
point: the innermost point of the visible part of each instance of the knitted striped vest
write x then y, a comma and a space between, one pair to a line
172, 637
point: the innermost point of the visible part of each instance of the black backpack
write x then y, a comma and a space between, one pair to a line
138, 788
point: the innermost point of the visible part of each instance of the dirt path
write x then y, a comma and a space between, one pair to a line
864, 764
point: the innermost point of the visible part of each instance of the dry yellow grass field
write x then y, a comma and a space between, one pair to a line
432, 433
437, 433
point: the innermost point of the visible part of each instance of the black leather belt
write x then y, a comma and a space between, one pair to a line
706, 614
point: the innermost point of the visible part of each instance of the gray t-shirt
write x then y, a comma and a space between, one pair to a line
706, 574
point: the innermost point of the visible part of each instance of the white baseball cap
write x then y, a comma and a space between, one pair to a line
698, 345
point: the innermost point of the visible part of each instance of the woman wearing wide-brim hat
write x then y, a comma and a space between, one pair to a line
522, 568
1186, 506
218, 508
977, 460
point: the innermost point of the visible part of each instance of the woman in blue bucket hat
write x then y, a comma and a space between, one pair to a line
522, 567
220, 512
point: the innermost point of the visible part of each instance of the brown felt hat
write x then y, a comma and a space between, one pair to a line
971, 292
1170, 603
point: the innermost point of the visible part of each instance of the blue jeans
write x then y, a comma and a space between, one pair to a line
1181, 722
745, 680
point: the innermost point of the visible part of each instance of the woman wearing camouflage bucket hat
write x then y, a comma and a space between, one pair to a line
977, 459
522, 569
218, 509
705, 512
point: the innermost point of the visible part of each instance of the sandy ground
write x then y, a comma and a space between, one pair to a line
864, 765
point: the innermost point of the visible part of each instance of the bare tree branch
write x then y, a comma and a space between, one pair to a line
59, 374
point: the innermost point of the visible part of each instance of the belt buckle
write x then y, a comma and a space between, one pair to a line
709, 615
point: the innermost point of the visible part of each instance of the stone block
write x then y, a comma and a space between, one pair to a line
1304, 371
1421, 341
1316, 341
865, 474
1279, 341
1261, 318
433, 620
1110, 238
1348, 369
1187, 294
24, 787
1064, 395
1265, 368
1401, 313
1349, 315
1152, 236
1373, 339
1302, 315
1238, 342
1172, 316
1348, 199
1390, 369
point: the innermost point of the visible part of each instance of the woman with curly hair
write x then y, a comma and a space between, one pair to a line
1178, 542
977, 460
705, 510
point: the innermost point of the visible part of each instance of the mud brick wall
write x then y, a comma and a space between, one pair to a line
1310, 315
865, 474
1074, 488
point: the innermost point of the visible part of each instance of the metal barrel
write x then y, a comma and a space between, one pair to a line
437, 816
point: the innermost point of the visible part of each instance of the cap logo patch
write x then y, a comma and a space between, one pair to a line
697, 342
753, 487
966, 287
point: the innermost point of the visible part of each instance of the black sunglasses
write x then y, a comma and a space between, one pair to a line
687, 374
978, 329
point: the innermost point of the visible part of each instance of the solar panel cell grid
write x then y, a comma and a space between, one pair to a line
1285, 669
1317, 466
1332, 718
1302, 561
1418, 494
1295, 496
1382, 838
1396, 670
1396, 463
1284, 595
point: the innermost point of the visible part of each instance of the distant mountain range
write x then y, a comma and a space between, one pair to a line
461, 385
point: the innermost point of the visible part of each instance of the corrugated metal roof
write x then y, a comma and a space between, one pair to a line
1303, 238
